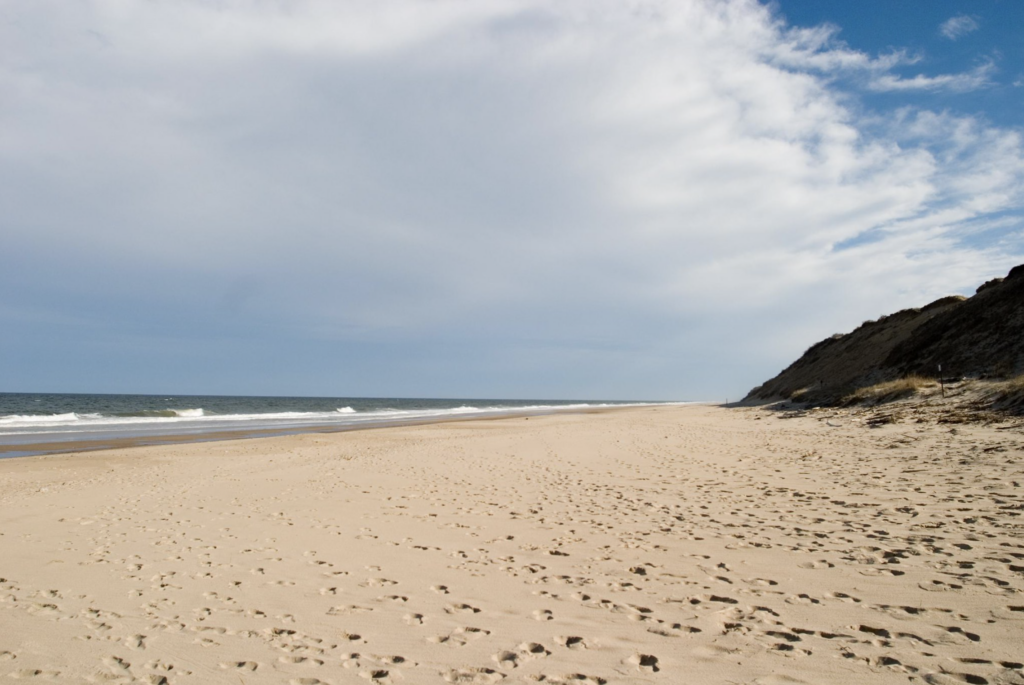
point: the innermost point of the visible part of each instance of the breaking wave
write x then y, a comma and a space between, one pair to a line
24, 426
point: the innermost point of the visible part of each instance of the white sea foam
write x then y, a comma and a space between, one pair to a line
196, 420
189, 413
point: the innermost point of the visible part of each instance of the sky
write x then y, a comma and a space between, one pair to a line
579, 199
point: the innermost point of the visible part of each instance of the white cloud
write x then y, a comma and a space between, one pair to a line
677, 181
977, 78
958, 26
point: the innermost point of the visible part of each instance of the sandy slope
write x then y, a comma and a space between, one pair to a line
666, 545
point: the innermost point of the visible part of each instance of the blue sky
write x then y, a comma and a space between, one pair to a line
581, 199
940, 38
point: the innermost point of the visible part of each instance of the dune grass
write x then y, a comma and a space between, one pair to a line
1008, 395
890, 391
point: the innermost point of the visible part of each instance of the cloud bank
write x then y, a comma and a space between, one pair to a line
603, 199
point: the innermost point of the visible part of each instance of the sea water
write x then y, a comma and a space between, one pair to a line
32, 419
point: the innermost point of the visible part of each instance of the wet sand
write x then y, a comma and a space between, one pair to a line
653, 545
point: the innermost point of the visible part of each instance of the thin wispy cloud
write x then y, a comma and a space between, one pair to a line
958, 26
585, 198
817, 49
977, 78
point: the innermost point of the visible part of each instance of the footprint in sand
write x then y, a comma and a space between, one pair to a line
118, 666
379, 582
135, 642
240, 665
948, 678
473, 676
675, 630
1010, 613
790, 650
461, 609
386, 659
875, 571
533, 650
760, 582
575, 679
45, 609
571, 642
842, 596
460, 636
295, 659
507, 658
29, 673
819, 563
960, 631
157, 665
348, 609
645, 663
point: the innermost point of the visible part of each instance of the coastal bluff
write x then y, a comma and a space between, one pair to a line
981, 336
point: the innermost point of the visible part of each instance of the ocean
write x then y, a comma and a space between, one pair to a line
40, 423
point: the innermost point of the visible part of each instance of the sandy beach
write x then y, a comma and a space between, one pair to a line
657, 545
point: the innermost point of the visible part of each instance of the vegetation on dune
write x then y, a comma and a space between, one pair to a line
890, 391
1008, 395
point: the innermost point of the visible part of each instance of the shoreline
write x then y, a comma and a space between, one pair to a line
655, 545
19, 450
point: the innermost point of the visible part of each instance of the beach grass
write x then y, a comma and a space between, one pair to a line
890, 391
1008, 395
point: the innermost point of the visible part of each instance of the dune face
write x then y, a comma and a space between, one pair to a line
981, 336
658, 545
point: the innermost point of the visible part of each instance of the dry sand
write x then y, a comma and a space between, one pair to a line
658, 545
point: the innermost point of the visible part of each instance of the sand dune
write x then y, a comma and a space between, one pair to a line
656, 545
